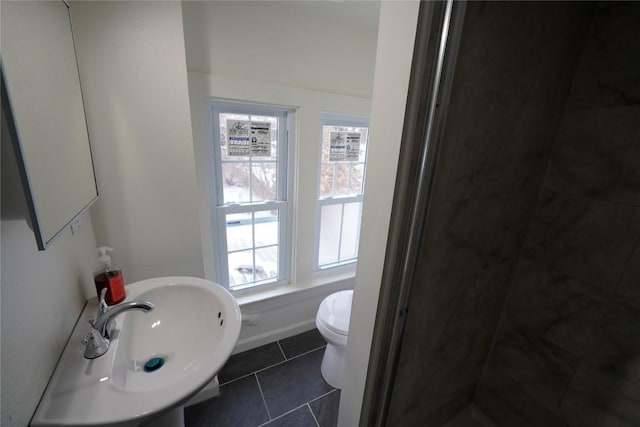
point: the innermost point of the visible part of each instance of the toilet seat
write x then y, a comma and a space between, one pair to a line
335, 312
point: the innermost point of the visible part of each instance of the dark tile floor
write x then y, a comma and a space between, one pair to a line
276, 385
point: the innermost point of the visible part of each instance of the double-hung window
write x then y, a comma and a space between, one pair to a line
343, 157
251, 154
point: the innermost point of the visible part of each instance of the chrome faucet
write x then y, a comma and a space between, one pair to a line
98, 337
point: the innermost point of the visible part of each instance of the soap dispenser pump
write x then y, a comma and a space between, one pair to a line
110, 277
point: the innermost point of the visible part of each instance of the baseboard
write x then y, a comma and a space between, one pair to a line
282, 316
275, 335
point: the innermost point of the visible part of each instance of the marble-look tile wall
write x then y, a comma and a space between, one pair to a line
512, 78
567, 350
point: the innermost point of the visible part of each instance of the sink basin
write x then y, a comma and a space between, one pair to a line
184, 341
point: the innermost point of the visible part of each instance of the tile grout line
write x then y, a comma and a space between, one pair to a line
272, 366
313, 415
307, 352
284, 414
237, 379
281, 350
323, 395
263, 399
254, 372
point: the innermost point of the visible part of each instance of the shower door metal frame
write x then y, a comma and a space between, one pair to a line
432, 71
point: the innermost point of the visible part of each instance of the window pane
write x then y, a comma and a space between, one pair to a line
267, 263
266, 228
273, 122
228, 120
352, 131
326, 181
342, 168
239, 232
224, 135
350, 231
330, 218
235, 181
326, 143
357, 179
251, 159
225, 116
240, 268
364, 132
342, 180
263, 184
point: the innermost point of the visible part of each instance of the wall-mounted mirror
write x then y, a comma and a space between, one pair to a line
43, 100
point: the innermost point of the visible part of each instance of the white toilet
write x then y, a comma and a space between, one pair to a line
332, 321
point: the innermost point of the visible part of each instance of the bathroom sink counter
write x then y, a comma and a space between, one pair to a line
193, 328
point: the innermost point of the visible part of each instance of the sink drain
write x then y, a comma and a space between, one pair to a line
153, 364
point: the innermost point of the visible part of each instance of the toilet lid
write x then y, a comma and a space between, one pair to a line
335, 311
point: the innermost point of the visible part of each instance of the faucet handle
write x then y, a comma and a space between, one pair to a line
102, 305
88, 334
102, 310
96, 345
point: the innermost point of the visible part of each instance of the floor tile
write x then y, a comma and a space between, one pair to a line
250, 361
239, 404
301, 417
293, 383
302, 343
326, 409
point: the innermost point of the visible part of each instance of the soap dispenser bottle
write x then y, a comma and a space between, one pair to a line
110, 277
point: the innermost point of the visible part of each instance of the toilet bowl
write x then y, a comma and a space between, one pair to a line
332, 321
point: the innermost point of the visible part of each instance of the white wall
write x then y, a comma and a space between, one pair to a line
395, 49
132, 66
321, 45
42, 296
43, 293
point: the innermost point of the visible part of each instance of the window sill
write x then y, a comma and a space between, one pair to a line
320, 281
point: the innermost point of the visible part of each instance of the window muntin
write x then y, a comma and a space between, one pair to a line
340, 190
251, 196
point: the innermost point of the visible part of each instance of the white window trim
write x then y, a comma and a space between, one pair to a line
284, 202
347, 266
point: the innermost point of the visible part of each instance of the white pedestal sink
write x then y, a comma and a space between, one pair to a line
193, 328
